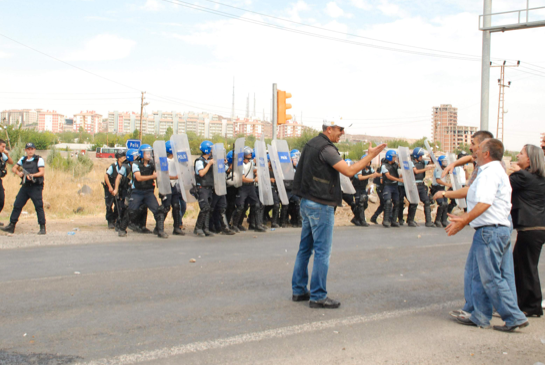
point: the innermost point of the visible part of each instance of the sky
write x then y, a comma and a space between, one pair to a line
370, 62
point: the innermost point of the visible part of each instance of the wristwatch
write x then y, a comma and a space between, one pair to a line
444, 194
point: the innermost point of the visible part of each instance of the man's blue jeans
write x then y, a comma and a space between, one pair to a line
492, 275
468, 275
317, 236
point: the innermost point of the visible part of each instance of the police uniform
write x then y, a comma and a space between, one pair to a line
379, 184
112, 213
442, 203
203, 193
361, 197
32, 190
402, 196
246, 194
143, 195
173, 199
276, 203
422, 193
3, 171
218, 216
294, 206
390, 194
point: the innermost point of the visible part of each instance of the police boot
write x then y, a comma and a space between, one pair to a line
251, 218
224, 226
10, 228
444, 217
206, 227
356, 219
237, 227
176, 217
374, 218
395, 213
427, 213
200, 224
386, 222
143, 217
361, 215
284, 216
274, 220
400, 210
259, 220
160, 224
111, 224
439, 216
411, 214
241, 220
451, 206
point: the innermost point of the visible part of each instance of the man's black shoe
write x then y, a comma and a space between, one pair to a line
242, 228
144, 230
325, 303
466, 321
10, 228
373, 220
506, 328
301, 298
111, 225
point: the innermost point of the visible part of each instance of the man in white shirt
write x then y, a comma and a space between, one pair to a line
489, 206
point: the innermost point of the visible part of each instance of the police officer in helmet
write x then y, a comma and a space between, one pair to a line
360, 181
204, 176
110, 178
420, 167
390, 176
247, 192
32, 171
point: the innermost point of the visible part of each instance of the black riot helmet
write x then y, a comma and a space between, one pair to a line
120, 153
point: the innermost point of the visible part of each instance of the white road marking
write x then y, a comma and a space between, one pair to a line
168, 352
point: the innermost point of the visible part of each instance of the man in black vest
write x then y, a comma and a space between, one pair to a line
317, 182
32, 186
203, 192
5, 159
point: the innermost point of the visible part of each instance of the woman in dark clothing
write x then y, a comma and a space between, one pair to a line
528, 213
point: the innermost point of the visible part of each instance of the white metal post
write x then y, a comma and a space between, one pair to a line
275, 111
485, 67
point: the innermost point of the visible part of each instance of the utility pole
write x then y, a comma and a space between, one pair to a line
142, 105
485, 66
274, 111
500, 128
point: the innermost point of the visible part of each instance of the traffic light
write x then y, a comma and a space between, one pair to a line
282, 97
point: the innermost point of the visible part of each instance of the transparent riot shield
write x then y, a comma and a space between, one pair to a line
408, 175
161, 166
455, 178
346, 185
218, 154
182, 155
238, 162
278, 176
283, 150
432, 155
264, 179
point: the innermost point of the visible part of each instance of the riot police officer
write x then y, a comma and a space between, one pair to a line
139, 223
247, 192
218, 217
231, 191
32, 185
276, 200
5, 159
110, 177
204, 177
294, 200
420, 167
360, 181
173, 200
439, 184
143, 187
349, 199
379, 185
390, 176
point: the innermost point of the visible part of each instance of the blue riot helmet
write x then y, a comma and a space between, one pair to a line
206, 147
145, 148
349, 161
132, 154
168, 147
248, 153
268, 158
391, 155
230, 157
417, 153
441, 159
295, 154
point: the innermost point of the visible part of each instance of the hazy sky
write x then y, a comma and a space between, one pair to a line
190, 57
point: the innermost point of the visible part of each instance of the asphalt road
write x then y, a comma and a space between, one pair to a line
142, 301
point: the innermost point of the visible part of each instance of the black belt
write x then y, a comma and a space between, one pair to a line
491, 225
247, 184
420, 183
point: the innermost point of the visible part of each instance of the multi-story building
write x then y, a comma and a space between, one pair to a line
20, 116
50, 121
445, 128
91, 122
290, 129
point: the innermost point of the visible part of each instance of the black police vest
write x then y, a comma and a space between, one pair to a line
362, 184
314, 179
208, 179
3, 163
32, 168
113, 176
419, 166
145, 171
392, 169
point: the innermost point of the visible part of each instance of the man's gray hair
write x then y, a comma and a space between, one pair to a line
537, 161
482, 135
324, 127
495, 148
